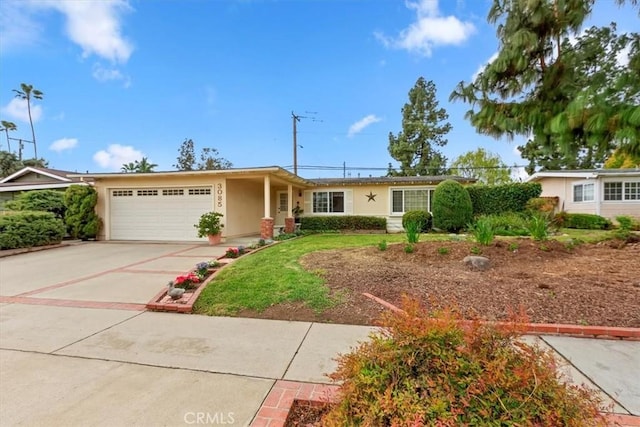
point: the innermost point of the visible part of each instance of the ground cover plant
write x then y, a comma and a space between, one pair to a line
426, 368
323, 278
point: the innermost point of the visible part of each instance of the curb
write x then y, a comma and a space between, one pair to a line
604, 332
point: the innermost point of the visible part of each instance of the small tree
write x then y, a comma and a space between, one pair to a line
452, 209
81, 218
482, 165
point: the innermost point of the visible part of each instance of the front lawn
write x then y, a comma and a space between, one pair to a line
274, 275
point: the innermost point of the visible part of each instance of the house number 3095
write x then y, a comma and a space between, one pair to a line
219, 192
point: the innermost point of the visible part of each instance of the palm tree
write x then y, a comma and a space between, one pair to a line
6, 127
143, 165
129, 167
27, 92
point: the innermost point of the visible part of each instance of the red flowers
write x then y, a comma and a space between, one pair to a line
186, 281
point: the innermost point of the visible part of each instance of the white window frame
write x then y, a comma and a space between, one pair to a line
347, 195
428, 189
625, 191
583, 185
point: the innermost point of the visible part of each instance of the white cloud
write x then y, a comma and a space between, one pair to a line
96, 27
17, 27
624, 56
483, 66
358, 126
103, 74
430, 29
116, 155
63, 144
17, 109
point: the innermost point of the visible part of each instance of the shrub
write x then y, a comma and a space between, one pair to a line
508, 223
497, 199
626, 224
412, 228
81, 218
539, 227
39, 200
443, 250
382, 246
545, 205
583, 221
409, 248
451, 206
426, 369
483, 231
25, 229
422, 217
347, 222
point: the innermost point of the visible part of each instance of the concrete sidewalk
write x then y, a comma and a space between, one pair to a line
75, 366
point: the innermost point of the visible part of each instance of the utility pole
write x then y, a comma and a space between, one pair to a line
296, 118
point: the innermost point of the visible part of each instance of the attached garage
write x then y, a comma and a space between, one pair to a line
157, 213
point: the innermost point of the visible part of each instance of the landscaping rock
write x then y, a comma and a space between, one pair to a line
477, 262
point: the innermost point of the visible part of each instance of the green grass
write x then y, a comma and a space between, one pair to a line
587, 236
274, 275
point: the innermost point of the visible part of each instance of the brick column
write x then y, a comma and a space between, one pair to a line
289, 225
266, 228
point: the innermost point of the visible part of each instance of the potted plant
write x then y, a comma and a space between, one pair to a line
209, 225
297, 211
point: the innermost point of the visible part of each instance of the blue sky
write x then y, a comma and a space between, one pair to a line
126, 79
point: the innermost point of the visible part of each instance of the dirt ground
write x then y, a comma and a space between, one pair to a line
591, 284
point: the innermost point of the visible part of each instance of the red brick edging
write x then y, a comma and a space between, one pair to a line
277, 404
550, 328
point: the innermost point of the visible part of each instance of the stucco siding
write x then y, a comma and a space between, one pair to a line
379, 206
244, 207
614, 209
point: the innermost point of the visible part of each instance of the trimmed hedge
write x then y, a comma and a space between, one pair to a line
452, 209
349, 222
423, 217
497, 199
81, 219
39, 200
582, 221
25, 229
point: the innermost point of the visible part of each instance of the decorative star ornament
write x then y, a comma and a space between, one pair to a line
371, 196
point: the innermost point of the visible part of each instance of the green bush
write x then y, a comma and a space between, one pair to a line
539, 227
412, 229
508, 223
422, 217
25, 229
451, 205
39, 200
81, 218
497, 199
347, 222
426, 369
582, 221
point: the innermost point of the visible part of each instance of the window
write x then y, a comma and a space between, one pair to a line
147, 192
612, 191
411, 199
622, 191
632, 190
122, 193
199, 191
173, 192
583, 192
328, 202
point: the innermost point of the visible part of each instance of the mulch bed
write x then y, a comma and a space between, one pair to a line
591, 284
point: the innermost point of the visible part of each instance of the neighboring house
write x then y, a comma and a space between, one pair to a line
605, 192
166, 205
33, 178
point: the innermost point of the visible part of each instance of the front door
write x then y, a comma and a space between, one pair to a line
282, 208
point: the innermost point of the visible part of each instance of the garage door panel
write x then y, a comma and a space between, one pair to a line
144, 214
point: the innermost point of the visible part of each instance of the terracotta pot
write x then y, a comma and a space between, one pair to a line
215, 239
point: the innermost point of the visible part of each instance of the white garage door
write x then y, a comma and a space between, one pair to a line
157, 213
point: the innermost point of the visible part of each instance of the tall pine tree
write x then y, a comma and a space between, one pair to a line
568, 93
422, 131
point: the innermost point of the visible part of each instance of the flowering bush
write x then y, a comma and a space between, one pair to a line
202, 268
235, 252
188, 281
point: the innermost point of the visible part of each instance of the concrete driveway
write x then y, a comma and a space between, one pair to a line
98, 274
